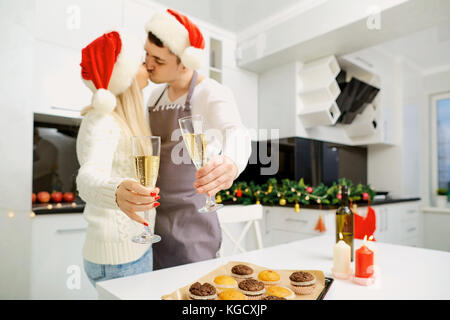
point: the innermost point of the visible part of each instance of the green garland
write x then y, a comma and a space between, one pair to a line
293, 192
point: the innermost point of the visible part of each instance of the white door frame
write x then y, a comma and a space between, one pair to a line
433, 142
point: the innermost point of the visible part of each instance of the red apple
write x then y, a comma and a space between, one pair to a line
43, 196
68, 196
33, 197
56, 196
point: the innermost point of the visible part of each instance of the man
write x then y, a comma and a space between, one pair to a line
174, 50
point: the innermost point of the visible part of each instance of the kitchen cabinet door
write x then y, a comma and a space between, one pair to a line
136, 14
57, 84
244, 85
388, 219
57, 270
74, 24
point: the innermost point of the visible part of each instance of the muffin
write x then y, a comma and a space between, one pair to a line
241, 272
252, 288
225, 282
206, 291
302, 282
273, 298
281, 292
269, 277
232, 294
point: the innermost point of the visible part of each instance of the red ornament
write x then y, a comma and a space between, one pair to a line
365, 196
309, 190
239, 193
339, 196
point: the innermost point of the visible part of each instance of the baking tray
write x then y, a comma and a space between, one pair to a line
318, 293
328, 283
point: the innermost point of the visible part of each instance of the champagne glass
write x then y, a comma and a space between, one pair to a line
195, 141
146, 151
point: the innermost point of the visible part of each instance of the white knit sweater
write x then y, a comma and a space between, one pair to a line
104, 154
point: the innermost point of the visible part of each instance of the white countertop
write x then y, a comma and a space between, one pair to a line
405, 272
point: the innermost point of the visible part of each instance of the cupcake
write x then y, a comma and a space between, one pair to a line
269, 277
232, 294
252, 288
206, 291
302, 282
225, 282
241, 272
273, 298
281, 292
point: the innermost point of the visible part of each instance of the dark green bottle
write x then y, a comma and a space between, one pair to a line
344, 220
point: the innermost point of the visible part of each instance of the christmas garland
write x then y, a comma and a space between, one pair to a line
290, 192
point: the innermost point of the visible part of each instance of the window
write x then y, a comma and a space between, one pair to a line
441, 141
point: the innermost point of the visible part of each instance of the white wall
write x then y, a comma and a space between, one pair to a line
16, 137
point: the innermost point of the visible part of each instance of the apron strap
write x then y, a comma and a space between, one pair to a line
191, 90
160, 96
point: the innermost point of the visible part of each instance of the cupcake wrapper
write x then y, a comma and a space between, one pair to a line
255, 297
303, 290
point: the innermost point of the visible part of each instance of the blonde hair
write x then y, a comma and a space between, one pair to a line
129, 112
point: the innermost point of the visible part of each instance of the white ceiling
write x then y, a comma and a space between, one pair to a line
232, 15
427, 49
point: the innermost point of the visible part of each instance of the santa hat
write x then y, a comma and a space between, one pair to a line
108, 67
180, 35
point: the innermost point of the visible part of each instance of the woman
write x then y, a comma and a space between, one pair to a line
112, 68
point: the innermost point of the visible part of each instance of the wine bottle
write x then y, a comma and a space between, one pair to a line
344, 220
147, 168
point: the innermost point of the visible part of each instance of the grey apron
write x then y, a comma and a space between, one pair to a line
187, 235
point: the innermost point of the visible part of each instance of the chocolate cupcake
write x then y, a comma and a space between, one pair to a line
302, 282
241, 272
252, 288
206, 291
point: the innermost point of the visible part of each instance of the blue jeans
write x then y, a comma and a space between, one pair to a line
101, 272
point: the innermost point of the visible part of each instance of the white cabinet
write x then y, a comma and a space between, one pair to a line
136, 14
283, 224
221, 66
57, 84
74, 24
397, 223
56, 258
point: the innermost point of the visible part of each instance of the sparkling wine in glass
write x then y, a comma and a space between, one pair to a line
146, 151
195, 141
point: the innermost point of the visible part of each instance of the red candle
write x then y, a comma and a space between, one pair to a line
364, 262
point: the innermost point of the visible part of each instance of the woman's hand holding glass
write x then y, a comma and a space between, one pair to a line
132, 197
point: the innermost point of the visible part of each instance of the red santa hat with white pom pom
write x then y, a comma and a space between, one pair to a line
108, 67
180, 35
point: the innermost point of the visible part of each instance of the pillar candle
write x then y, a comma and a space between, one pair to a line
364, 267
341, 259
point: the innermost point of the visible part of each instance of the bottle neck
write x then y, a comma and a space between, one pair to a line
344, 201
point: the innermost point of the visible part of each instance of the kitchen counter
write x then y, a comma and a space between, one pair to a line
405, 272
78, 207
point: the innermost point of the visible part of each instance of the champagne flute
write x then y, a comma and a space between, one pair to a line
195, 141
146, 150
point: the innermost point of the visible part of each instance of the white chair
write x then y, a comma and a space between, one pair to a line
237, 214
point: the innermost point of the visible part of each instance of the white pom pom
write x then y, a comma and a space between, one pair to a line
192, 58
104, 101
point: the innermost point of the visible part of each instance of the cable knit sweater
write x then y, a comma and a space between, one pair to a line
104, 154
